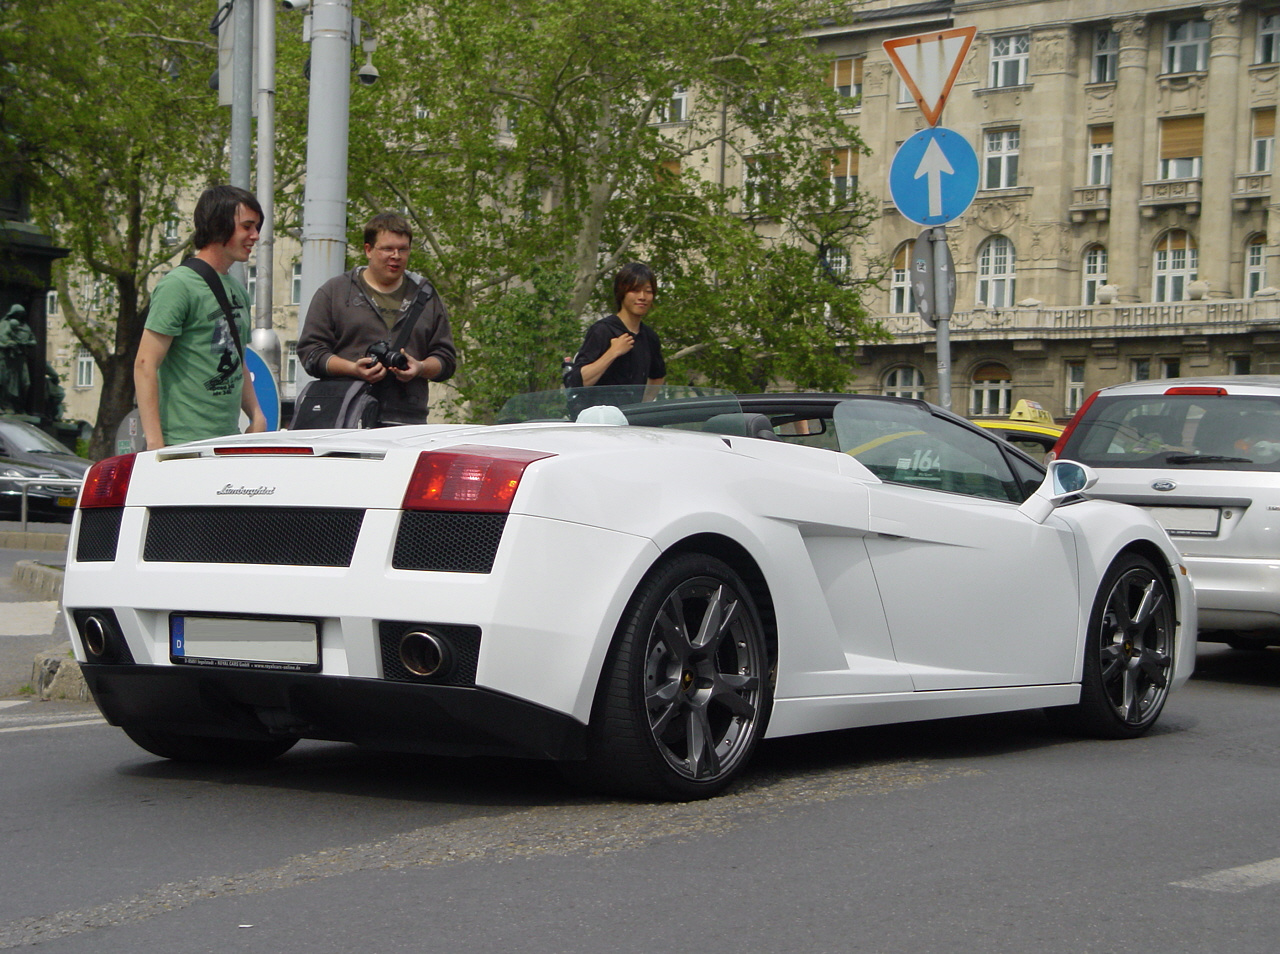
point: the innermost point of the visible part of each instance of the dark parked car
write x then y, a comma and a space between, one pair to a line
27, 451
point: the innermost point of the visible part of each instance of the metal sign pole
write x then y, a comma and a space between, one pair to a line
944, 296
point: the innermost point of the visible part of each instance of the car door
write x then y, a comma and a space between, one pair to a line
950, 547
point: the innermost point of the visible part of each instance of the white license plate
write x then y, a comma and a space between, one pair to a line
234, 643
1187, 521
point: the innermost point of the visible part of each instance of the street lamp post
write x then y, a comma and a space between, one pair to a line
324, 214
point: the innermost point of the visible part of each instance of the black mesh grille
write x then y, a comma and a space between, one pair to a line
99, 534
450, 542
280, 536
464, 649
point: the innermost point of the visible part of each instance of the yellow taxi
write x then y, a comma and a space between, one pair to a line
1030, 428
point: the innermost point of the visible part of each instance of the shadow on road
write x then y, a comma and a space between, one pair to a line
1243, 667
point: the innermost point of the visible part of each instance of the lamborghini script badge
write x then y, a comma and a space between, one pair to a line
246, 491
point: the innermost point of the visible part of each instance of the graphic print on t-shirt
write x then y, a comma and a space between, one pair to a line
224, 348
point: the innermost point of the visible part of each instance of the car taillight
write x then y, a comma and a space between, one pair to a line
1071, 426
107, 482
1198, 391
468, 478
266, 449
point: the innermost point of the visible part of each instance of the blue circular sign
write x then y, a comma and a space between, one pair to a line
264, 386
934, 176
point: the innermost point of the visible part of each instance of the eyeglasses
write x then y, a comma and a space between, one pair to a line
392, 249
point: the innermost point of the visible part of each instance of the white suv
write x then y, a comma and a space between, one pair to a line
1203, 456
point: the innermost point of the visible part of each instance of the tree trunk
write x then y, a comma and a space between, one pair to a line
115, 403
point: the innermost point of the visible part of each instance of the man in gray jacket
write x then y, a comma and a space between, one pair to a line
367, 307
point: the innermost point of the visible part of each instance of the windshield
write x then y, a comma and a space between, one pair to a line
1233, 432
688, 408
30, 440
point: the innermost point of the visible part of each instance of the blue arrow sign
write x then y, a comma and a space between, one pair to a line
934, 176
264, 386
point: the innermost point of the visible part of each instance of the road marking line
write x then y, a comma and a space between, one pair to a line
6, 703
55, 725
1237, 880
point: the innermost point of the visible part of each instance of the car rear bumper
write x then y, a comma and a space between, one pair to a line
440, 720
1236, 594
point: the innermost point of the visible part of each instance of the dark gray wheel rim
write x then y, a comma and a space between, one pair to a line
704, 666
1136, 646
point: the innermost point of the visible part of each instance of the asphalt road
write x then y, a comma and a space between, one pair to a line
989, 834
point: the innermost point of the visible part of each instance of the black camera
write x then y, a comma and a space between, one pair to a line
387, 356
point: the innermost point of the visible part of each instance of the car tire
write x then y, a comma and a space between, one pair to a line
1128, 655
208, 749
686, 689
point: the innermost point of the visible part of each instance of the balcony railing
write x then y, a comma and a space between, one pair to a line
1205, 316
1090, 202
1162, 193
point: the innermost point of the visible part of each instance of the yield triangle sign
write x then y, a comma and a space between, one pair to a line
929, 63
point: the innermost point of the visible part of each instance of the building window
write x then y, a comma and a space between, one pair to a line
1100, 151
1075, 386
846, 79
1095, 272
901, 300
295, 293
51, 305
1181, 146
1176, 261
904, 382
291, 362
170, 228
84, 368
1001, 155
1264, 138
996, 272
1170, 368
1255, 266
1009, 56
836, 262
1238, 364
1269, 39
676, 109
1140, 369
251, 282
1186, 46
758, 178
842, 171
904, 95
991, 392
1106, 49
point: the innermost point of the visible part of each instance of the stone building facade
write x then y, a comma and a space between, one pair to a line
1121, 226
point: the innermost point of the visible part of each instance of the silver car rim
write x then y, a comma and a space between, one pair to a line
1136, 643
704, 662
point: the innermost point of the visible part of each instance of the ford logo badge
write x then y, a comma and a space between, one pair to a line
1163, 485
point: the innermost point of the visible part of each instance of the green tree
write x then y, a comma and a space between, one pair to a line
525, 139
111, 121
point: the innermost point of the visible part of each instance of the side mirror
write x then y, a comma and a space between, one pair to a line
1065, 480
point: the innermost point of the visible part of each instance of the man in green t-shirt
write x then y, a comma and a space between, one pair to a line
189, 374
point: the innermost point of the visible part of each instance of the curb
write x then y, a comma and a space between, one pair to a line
39, 579
28, 540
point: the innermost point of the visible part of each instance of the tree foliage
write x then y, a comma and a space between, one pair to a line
110, 121
524, 139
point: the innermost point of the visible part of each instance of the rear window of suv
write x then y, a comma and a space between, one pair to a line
1232, 432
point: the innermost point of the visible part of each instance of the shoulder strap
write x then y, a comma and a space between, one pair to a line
425, 291
214, 281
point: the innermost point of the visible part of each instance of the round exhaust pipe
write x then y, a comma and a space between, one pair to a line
96, 637
425, 654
